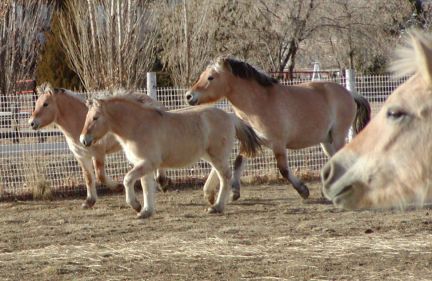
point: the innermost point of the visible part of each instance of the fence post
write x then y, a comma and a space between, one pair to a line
351, 86
151, 85
316, 71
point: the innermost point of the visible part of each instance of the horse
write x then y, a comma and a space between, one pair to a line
388, 164
153, 139
292, 117
68, 110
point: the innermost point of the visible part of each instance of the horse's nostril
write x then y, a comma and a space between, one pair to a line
32, 124
188, 97
327, 173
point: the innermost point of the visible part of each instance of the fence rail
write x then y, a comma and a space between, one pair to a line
27, 157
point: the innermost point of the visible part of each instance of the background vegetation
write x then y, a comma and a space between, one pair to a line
89, 45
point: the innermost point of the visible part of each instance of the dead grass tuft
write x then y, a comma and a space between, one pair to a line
36, 181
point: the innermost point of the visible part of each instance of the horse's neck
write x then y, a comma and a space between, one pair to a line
71, 115
125, 118
247, 98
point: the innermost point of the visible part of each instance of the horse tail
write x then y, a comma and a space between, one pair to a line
363, 113
250, 142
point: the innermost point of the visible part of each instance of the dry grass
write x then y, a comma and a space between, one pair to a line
36, 181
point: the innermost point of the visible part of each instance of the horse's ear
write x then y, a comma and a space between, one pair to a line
222, 63
89, 103
97, 102
45, 88
93, 102
424, 58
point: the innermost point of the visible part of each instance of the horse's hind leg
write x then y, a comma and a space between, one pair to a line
162, 180
148, 185
282, 164
99, 166
335, 142
239, 164
210, 187
328, 149
86, 165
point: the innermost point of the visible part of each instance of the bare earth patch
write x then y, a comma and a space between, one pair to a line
270, 234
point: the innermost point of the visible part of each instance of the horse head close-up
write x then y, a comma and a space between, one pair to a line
389, 162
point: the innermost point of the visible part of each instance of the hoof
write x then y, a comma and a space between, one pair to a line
214, 210
144, 214
302, 190
88, 204
235, 195
136, 206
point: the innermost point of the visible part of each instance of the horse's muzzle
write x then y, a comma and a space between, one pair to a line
34, 124
86, 140
191, 98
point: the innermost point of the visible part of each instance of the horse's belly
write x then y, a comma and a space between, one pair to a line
181, 158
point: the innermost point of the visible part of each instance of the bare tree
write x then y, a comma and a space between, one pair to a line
109, 43
277, 34
22, 24
186, 37
357, 32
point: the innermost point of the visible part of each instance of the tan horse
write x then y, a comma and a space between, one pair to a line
68, 110
291, 117
154, 139
389, 162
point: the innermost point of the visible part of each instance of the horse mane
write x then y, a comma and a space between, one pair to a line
129, 96
46, 87
407, 58
244, 70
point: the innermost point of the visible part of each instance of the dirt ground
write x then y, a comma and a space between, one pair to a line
270, 234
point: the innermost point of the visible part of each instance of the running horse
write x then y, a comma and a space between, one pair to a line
68, 110
284, 117
389, 163
154, 139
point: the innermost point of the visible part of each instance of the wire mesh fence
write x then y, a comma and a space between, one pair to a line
31, 159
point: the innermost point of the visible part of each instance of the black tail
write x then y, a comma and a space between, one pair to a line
250, 142
363, 114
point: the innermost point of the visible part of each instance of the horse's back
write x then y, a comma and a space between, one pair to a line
196, 131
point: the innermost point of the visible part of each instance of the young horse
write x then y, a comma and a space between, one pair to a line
154, 139
68, 110
284, 116
389, 163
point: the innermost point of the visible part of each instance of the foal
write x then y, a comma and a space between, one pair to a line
154, 139
68, 110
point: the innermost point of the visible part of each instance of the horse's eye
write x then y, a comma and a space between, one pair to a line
95, 118
210, 78
45, 104
396, 113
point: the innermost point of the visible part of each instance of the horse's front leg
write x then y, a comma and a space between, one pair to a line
239, 164
148, 185
210, 187
137, 172
282, 164
224, 174
99, 166
87, 169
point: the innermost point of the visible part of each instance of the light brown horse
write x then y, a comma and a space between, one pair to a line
291, 117
153, 139
68, 110
389, 162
